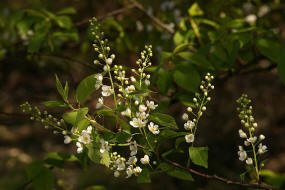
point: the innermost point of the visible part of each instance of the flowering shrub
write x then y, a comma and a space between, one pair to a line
129, 142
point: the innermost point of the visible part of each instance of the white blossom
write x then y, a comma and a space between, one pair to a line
84, 137
153, 128
127, 112
133, 148
109, 61
79, 147
147, 82
142, 108
252, 140
262, 148
99, 79
145, 159
130, 88
261, 137
137, 170
137, 123
185, 116
67, 139
151, 105
116, 174
129, 171
104, 146
189, 125
251, 19
132, 160
263, 10
249, 161
242, 134
107, 90
142, 115
189, 138
120, 163
100, 103
242, 154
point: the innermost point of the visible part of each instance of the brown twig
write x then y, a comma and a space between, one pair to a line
112, 13
221, 179
153, 18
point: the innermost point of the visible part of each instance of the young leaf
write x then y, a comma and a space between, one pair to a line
199, 155
80, 115
144, 176
196, 59
163, 120
63, 22
69, 10
70, 117
36, 42
60, 89
53, 103
85, 88
269, 48
175, 172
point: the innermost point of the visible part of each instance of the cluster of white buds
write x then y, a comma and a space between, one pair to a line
252, 146
200, 100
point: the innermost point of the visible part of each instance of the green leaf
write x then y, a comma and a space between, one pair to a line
80, 115
42, 178
85, 88
141, 91
63, 22
169, 134
144, 176
196, 59
272, 178
269, 48
163, 120
57, 159
199, 155
66, 36
187, 77
36, 42
70, 117
60, 89
164, 82
53, 104
69, 10
123, 137
97, 157
195, 10
175, 172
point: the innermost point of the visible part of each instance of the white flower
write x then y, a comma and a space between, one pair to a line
151, 105
137, 170
242, 134
137, 123
261, 137
263, 10
106, 68
142, 108
133, 148
109, 61
67, 139
252, 140
153, 128
79, 147
130, 89
133, 79
189, 109
120, 164
116, 174
189, 138
142, 115
185, 116
189, 125
129, 171
84, 137
246, 143
89, 129
100, 103
132, 160
262, 148
104, 146
99, 79
127, 112
249, 161
251, 19
147, 82
107, 90
145, 159
242, 154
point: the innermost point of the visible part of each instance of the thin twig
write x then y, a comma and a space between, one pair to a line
153, 18
221, 179
112, 13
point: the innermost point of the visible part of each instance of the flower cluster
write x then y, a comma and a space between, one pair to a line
252, 147
200, 100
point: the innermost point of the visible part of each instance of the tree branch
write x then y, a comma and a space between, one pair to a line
221, 179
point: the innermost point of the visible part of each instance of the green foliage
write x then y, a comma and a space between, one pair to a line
199, 155
163, 120
144, 177
176, 172
85, 88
